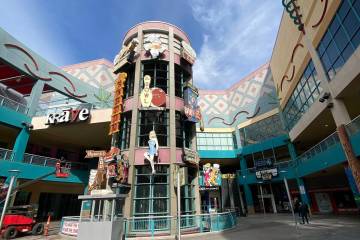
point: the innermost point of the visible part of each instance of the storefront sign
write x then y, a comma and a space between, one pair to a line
262, 164
118, 103
211, 175
70, 228
151, 98
191, 156
228, 176
68, 116
95, 154
205, 188
191, 108
266, 174
187, 52
126, 54
92, 176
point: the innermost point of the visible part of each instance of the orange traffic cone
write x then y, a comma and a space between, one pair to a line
46, 230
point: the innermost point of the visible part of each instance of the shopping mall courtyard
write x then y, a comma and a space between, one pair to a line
272, 227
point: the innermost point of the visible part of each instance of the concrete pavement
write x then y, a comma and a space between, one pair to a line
274, 227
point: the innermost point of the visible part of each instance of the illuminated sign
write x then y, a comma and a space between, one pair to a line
191, 108
68, 116
266, 174
191, 156
187, 52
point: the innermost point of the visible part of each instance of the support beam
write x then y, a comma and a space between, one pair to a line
20, 145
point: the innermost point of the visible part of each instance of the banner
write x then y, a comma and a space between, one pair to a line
191, 108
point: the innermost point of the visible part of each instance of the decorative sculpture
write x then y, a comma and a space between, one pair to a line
146, 94
212, 175
153, 45
153, 150
122, 169
127, 51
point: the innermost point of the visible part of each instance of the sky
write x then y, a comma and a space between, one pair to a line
232, 38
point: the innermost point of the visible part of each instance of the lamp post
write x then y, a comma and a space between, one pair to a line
262, 197
13, 174
289, 196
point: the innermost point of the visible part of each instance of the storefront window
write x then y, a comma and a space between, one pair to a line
125, 130
151, 191
214, 141
181, 76
183, 131
158, 71
129, 84
262, 130
153, 120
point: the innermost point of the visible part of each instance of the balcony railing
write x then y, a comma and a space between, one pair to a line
319, 148
16, 106
46, 109
353, 126
6, 154
153, 225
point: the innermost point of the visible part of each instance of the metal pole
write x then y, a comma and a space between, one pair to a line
8, 194
179, 204
262, 198
289, 197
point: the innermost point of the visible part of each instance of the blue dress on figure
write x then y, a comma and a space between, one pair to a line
152, 147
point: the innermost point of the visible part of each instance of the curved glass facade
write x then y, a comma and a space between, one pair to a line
306, 92
342, 37
262, 130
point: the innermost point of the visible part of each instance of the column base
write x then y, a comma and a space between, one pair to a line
250, 210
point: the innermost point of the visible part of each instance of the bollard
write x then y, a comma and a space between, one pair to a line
46, 230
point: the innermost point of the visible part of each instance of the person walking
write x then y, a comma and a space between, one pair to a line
304, 212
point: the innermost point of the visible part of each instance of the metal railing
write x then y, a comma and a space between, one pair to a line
164, 225
45, 110
6, 154
353, 126
14, 105
322, 146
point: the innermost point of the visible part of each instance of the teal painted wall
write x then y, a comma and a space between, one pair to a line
13, 118
30, 171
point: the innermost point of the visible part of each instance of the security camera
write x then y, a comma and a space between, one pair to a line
324, 97
29, 126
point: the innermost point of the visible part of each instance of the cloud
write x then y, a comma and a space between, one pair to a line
239, 36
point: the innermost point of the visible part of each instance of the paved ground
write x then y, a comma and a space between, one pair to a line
281, 227
274, 227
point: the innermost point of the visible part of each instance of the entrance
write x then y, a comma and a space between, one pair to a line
58, 204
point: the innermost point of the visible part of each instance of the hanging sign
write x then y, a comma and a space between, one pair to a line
151, 98
118, 103
95, 153
126, 54
266, 163
187, 52
68, 116
211, 175
266, 174
191, 156
191, 108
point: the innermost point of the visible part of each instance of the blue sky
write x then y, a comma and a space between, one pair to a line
231, 37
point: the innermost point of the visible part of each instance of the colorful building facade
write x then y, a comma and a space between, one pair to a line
294, 120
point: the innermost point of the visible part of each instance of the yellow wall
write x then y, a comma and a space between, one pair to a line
289, 36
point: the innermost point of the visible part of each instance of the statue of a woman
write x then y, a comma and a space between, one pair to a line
153, 150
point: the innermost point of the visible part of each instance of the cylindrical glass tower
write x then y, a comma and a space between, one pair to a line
159, 99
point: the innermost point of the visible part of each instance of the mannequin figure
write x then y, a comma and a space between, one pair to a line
153, 150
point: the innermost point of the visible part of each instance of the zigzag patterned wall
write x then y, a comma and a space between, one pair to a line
248, 96
97, 73
251, 96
